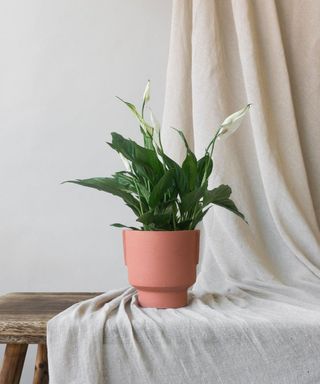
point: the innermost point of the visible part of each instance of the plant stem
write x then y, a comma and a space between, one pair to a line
138, 192
174, 222
212, 142
139, 197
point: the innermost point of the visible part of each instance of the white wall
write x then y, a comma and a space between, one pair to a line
61, 63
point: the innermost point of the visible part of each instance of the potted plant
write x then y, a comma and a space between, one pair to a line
169, 200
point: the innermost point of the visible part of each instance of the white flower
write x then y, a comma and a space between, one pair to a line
146, 94
232, 123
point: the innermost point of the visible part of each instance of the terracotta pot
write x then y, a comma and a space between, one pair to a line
161, 265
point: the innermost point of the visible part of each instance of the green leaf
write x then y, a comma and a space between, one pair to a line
107, 184
220, 196
143, 173
184, 225
181, 134
157, 219
198, 217
147, 139
144, 192
180, 178
204, 169
193, 198
230, 205
159, 190
118, 225
126, 180
130, 183
138, 155
190, 169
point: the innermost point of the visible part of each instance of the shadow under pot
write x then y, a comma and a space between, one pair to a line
161, 265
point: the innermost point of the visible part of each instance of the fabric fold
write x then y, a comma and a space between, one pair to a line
241, 336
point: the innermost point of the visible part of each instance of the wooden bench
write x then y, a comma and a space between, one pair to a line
23, 321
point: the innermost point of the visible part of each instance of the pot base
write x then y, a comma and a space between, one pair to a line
160, 299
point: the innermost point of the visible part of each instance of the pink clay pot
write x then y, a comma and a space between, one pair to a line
161, 265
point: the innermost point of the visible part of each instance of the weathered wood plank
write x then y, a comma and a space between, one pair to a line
15, 332
24, 316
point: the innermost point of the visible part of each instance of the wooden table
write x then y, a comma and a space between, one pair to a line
23, 321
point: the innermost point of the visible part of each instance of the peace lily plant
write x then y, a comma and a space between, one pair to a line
169, 201
164, 195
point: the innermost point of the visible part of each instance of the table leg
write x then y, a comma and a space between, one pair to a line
41, 369
13, 363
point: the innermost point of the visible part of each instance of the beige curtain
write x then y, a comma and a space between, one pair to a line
223, 55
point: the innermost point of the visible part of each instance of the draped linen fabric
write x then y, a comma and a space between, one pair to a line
225, 54
254, 314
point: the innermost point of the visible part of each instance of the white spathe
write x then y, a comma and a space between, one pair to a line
232, 123
146, 93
